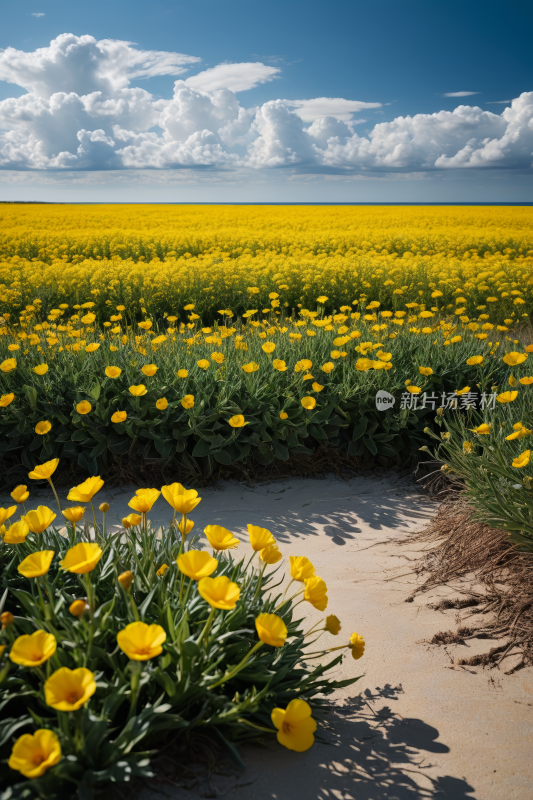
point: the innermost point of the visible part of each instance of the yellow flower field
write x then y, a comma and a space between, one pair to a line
233, 257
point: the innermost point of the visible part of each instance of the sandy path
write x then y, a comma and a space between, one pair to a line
414, 726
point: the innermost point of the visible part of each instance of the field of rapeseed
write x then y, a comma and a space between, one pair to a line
163, 258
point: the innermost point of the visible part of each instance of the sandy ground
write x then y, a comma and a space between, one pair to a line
416, 725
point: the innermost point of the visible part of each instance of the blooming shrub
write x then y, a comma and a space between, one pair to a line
110, 641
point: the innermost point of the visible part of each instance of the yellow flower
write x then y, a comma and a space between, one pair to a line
41, 369
186, 528
482, 429
271, 629
77, 608
467, 447
140, 641
92, 348
317, 387
522, 460
220, 538
182, 373
295, 726
126, 579
85, 492
6, 399
301, 568
513, 359
113, 372
251, 367
308, 402
268, 347
316, 592
161, 404
474, 360
196, 564
82, 558
74, 514
237, 421
203, 363
36, 564
413, 389
283, 415
189, 307
8, 365
19, 495
6, 513
333, 624
34, 754
33, 650
6, 618
138, 391
69, 689
144, 500
218, 357
526, 381
162, 569
328, 367
323, 299
149, 370
131, 520
270, 554
103, 507
506, 397
39, 520
260, 537
119, 416
219, 592
358, 645
44, 471
303, 365
179, 498
279, 365
188, 401
146, 325
43, 427
465, 390
16, 533
425, 370
84, 407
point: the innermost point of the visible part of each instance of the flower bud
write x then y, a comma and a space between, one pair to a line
125, 580
440, 412
6, 619
77, 608
103, 507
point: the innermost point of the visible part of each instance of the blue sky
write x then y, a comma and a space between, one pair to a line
249, 132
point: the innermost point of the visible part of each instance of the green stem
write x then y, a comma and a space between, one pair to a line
94, 520
284, 602
207, 625
238, 668
55, 494
259, 581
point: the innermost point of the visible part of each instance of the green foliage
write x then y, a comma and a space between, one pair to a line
209, 675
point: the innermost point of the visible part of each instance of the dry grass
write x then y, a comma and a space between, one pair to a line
460, 546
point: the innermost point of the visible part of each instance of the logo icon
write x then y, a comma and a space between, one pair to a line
384, 400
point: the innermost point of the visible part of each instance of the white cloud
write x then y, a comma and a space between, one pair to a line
80, 113
37, 14
317, 107
498, 102
236, 77
459, 94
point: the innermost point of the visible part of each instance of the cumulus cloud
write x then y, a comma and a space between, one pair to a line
459, 94
80, 113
